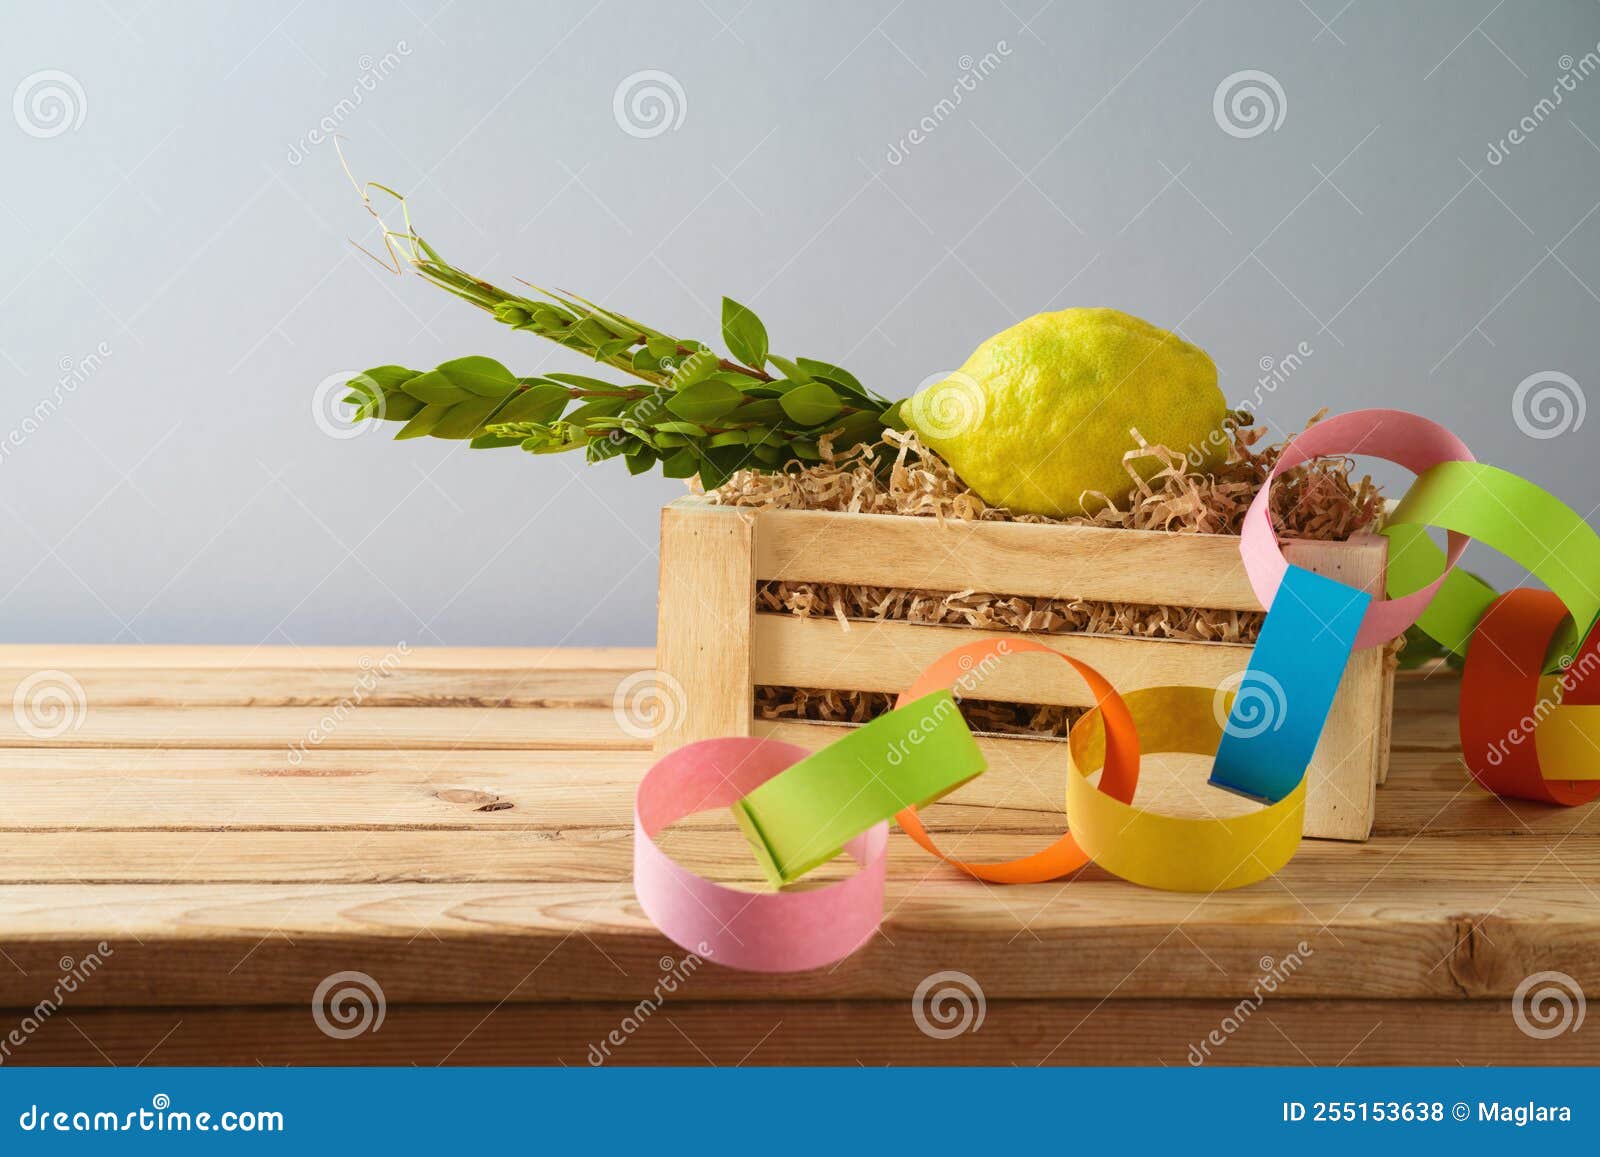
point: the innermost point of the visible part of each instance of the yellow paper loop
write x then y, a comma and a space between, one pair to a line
1176, 853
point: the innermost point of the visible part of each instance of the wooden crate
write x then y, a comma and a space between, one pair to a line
717, 648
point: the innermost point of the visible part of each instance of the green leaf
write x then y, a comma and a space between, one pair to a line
591, 332
790, 370
493, 441
683, 464
705, 401
610, 349
728, 438
599, 408
810, 404
839, 377
891, 417
712, 475
646, 361
395, 408
672, 442
583, 383
482, 376
857, 427
641, 460
717, 466
423, 422
466, 419
386, 378
541, 402
688, 428
759, 410
695, 368
767, 454
434, 386
743, 333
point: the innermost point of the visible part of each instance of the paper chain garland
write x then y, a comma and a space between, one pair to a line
1530, 721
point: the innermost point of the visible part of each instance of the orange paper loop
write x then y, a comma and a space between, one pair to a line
1501, 697
953, 671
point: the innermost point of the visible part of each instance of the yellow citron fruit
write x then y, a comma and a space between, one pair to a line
1039, 418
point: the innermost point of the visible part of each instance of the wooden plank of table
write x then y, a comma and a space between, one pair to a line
603, 854
247, 789
1372, 932
363, 727
289, 687
684, 1031
30, 657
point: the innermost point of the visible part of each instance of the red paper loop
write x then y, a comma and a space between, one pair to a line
1500, 701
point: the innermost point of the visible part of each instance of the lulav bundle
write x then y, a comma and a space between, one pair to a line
690, 409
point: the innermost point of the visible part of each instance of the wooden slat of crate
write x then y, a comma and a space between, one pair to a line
708, 579
888, 656
1036, 561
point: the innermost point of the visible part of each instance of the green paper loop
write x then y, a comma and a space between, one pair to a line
803, 817
1511, 514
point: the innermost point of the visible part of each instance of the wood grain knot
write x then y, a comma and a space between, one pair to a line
481, 801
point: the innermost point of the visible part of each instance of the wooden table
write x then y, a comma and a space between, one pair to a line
461, 834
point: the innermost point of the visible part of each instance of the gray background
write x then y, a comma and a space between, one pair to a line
184, 491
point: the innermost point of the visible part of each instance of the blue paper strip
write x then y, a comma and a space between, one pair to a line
1282, 703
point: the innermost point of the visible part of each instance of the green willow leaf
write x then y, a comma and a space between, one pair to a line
541, 402
423, 422
434, 387
482, 376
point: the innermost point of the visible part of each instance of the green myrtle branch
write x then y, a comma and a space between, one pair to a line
697, 411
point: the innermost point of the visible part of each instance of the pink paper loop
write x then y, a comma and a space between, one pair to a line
1394, 435
755, 931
